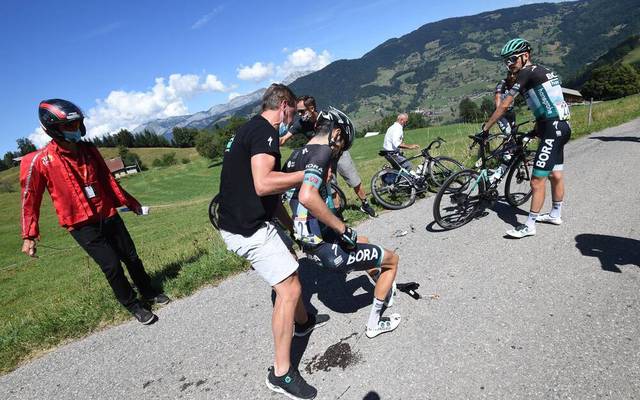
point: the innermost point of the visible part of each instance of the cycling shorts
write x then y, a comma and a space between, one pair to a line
335, 258
553, 134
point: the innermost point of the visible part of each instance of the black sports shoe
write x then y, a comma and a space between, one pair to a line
314, 321
290, 384
367, 209
160, 298
143, 315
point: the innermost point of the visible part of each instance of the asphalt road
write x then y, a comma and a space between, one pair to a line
555, 316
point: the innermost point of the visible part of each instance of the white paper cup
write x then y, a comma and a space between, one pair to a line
145, 210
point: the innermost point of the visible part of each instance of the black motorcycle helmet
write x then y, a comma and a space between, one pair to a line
56, 113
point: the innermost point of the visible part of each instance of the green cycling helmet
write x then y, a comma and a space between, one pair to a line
515, 46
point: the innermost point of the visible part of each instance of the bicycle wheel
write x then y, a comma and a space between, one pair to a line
213, 211
517, 188
441, 168
459, 199
392, 190
340, 200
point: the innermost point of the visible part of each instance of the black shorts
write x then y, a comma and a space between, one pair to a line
335, 258
553, 136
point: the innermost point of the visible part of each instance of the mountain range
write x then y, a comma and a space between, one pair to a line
215, 114
434, 67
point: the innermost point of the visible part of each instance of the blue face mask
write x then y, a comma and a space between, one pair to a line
73, 137
283, 129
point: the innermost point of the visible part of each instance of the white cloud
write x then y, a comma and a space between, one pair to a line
233, 95
122, 109
202, 21
257, 72
304, 60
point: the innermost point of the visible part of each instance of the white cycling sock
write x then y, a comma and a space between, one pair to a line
556, 209
531, 221
374, 315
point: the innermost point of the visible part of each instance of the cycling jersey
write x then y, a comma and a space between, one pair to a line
503, 91
315, 161
542, 91
315, 238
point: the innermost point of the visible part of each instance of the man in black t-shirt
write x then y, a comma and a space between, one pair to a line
250, 184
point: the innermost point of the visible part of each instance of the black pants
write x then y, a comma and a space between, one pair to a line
108, 242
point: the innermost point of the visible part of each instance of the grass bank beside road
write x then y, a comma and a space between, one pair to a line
62, 295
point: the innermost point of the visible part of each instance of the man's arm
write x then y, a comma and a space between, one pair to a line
122, 195
408, 146
498, 113
32, 184
266, 181
283, 139
310, 198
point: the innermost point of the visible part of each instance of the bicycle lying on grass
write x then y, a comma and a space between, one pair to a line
395, 187
468, 192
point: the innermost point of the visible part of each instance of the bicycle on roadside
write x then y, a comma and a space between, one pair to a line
395, 187
468, 192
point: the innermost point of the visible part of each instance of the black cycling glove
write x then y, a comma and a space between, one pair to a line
349, 238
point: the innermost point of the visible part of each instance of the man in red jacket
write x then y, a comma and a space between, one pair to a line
85, 197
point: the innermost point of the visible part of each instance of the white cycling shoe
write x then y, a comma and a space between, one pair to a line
547, 218
521, 231
386, 324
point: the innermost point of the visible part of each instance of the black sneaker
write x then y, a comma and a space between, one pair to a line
143, 315
367, 209
290, 384
313, 322
159, 299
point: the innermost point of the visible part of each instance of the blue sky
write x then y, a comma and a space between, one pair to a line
124, 62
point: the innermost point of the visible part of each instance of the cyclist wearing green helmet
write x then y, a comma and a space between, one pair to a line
543, 93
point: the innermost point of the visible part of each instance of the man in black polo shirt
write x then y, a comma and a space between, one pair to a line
250, 184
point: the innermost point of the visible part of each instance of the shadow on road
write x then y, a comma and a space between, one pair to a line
508, 213
635, 139
613, 251
333, 289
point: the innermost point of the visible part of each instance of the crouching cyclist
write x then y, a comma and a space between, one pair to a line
322, 234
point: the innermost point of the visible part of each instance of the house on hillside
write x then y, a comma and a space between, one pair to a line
118, 169
572, 96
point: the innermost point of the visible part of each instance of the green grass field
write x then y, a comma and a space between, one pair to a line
62, 295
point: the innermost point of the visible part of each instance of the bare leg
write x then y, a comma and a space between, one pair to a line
389, 269
360, 192
287, 298
537, 196
557, 185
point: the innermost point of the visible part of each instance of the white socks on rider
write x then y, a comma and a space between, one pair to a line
374, 315
556, 209
531, 221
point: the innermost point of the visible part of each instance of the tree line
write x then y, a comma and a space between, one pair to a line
25, 146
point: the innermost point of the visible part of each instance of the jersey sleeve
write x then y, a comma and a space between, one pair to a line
500, 87
316, 167
522, 83
263, 141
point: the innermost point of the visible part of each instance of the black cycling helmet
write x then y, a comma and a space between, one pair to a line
56, 112
338, 119
515, 46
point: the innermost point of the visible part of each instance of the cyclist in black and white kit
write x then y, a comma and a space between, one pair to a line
322, 234
345, 167
543, 93
508, 120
